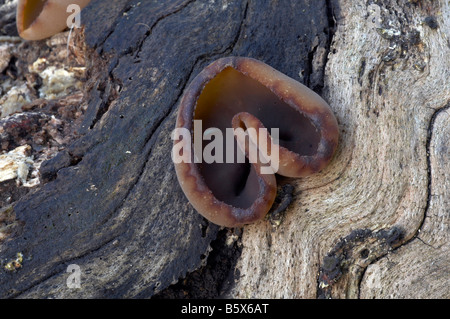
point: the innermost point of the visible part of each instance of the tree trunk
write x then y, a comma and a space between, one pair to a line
373, 224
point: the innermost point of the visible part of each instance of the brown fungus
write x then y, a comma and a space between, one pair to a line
40, 19
237, 92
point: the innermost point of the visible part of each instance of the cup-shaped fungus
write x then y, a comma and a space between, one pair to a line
40, 19
243, 93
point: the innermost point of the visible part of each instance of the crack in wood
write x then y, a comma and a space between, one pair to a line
332, 268
113, 60
138, 49
60, 268
429, 195
150, 140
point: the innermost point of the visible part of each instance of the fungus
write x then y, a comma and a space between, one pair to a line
40, 19
238, 92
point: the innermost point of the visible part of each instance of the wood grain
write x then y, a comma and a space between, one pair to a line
373, 224
375, 200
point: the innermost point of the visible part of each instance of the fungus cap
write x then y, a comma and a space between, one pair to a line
40, 19
242, 92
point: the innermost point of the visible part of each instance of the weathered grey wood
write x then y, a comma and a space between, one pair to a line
421, 269
378, 203
372, 224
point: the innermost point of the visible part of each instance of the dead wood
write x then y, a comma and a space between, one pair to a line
374, 224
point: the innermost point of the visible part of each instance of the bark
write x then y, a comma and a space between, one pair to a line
374, 224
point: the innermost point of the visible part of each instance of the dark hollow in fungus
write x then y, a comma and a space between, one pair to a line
238, 92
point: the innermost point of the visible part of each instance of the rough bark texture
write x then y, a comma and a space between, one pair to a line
374, 224
383, 202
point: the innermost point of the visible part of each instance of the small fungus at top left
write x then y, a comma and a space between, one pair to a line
40, 19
